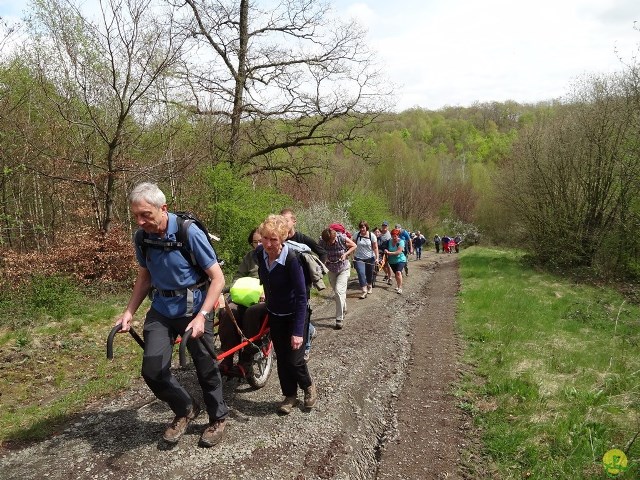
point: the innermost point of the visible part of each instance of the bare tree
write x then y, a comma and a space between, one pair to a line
278, 79
575, 174
8, 31
99, 75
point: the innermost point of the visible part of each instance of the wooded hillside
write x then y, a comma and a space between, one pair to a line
238, 112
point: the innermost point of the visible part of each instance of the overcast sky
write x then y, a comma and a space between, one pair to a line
457, 52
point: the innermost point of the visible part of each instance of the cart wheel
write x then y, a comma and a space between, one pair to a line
261, 367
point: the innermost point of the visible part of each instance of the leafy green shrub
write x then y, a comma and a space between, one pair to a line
469, 232
236, 207
369, 206
318, 216
51, 295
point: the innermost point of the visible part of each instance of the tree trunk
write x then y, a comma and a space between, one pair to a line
238, 97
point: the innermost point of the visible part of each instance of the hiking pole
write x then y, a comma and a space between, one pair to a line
112, 335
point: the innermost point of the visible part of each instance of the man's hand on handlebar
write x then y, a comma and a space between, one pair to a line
124, 321
197, 326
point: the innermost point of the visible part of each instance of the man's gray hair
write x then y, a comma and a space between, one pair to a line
147, 192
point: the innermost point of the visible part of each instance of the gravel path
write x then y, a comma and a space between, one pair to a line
385, 407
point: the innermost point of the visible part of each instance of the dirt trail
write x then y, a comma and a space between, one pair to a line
430, 432
385, 406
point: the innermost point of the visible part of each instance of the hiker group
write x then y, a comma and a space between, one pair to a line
448, 244
179, 270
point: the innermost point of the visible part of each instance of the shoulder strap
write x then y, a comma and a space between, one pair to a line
182, 237
358, 237
138, 240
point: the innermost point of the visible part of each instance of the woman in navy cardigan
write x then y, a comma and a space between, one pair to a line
285, 292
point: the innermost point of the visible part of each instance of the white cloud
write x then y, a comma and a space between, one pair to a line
456, 52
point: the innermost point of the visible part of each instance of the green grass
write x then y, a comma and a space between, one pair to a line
53, 363
556, 379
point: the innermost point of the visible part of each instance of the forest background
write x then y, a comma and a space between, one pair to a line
238, 110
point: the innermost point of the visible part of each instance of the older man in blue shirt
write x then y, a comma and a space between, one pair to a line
182, 299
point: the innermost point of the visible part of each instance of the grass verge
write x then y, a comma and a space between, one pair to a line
51, 368
556, 380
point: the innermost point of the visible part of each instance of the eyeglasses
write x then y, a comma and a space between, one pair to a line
256, 242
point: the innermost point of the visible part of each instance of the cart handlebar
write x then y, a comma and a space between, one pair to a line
182, 354
117, 328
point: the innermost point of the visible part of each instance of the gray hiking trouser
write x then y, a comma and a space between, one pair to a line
160, 334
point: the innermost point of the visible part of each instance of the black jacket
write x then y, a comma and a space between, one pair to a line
311, 243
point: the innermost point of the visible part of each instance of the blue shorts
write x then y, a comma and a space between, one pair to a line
397, 267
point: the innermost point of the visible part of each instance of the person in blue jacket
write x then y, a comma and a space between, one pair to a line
408, 246
300, 237
285, 291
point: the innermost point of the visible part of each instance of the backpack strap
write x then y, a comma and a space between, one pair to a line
358, 236
182, 240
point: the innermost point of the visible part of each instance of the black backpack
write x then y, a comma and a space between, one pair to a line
184, 220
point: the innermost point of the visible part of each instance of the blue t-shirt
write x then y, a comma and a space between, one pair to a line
171, 271
404, 235
393, 259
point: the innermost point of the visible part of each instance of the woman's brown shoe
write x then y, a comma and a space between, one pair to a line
310, 396
287, 405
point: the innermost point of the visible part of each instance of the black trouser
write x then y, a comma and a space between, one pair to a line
160, 334
292, 368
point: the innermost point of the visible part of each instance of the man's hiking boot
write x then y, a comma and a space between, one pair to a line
213, 433
338, 325
287, 405
176, 429
310, 396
